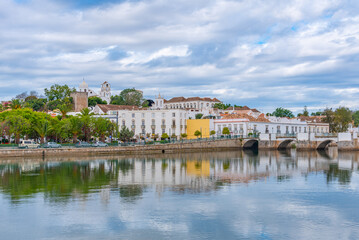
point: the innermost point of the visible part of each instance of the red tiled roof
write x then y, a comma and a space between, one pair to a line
261, 118
183, 99
314, 119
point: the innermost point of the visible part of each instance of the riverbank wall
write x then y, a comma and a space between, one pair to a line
195, 146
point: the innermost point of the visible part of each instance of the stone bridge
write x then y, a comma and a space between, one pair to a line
344, 141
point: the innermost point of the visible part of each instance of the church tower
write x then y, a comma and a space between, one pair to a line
105, 93
159, 102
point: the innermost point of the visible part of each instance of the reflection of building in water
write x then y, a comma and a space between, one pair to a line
198, 168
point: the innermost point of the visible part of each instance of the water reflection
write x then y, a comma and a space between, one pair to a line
224, 195
61, 179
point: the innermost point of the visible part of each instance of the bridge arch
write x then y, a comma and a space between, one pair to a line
285, 144
324, 144
251, 144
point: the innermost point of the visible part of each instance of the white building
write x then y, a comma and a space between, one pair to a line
243, 124
143, 121
193, 105
104, 94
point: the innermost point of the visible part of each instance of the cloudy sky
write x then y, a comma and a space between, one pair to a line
259, 53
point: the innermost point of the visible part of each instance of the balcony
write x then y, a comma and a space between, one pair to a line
133, 126
143, 126
153, 126
163, 126
173, 126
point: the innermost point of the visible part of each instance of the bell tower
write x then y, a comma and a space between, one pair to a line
105, 93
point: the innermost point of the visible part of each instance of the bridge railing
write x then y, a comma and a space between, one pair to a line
286, 135
326, 135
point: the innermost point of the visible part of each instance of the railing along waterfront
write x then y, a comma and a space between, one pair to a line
286, 135
326, 134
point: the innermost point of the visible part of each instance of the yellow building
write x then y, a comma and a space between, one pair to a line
202, 125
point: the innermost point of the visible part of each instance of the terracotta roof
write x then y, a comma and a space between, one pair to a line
254, 110
314, 119
105, 108
183, 99
261, 118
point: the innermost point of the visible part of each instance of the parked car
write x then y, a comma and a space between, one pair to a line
83, 144
100, 144
28, 144
51, 145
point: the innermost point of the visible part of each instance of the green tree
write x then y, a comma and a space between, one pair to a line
129, 96
355, 118
184, 135
305, 112
102, 128
343, 117
42, 128
93, 101
65, 107
75, 127
58, 92
338, 120
86, 116
221, 106
199, 115
16, 104
225, 131
126, 134
282, 112
17, 126
212, 132
165, 136
37, 104
198, 133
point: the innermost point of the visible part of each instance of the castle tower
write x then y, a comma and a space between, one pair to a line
105, 93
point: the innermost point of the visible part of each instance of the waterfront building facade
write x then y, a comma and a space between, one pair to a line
193, 105
145, 121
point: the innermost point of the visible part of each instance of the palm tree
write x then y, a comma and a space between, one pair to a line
42, 128
16, 104
75, 127
86, 120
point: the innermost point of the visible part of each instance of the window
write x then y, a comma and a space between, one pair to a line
305, 129
143, 115
173, 114
153, 122
300, 129
163, 122
143, 122
267, 130
123, 115
286, 129
153, 115
278, 129
123, 122
255, 128
292, 129
163, 130
163, 115
173, 123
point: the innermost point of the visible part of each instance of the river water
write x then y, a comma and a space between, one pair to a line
222, 195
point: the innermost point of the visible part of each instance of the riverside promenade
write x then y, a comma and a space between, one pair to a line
343, 141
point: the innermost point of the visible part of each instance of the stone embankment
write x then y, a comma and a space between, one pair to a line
266, 142
215, 145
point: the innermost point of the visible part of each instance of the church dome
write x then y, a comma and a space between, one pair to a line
83, 85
